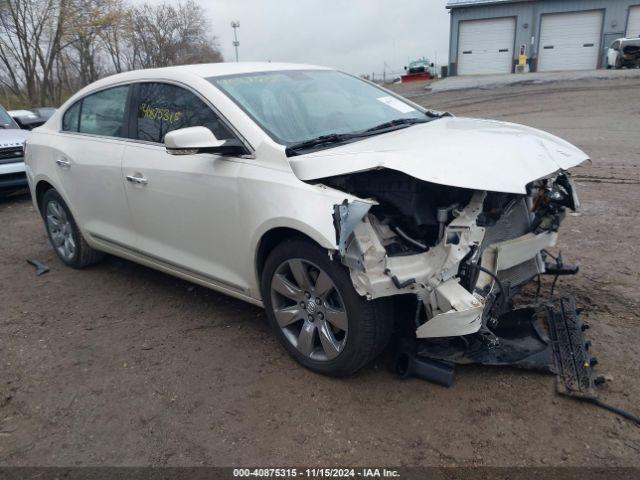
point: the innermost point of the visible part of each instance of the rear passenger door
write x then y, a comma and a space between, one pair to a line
184, 207
89, 164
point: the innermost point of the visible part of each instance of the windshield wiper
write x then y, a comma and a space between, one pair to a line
334, 138
320, 141
399, 122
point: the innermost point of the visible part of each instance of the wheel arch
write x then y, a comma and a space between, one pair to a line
41, 188
42, 184
270, 237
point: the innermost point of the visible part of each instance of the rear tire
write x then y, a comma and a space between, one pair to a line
331, 330
65, 236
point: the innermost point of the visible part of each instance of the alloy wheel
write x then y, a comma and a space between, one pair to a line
309, 309
60, 230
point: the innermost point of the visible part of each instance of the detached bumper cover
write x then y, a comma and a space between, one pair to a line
546, 337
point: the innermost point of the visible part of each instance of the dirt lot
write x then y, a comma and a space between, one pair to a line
122, 365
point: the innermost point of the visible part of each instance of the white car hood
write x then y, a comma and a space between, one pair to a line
12, 137
461, 152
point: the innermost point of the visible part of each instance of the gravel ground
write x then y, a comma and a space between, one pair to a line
122, 365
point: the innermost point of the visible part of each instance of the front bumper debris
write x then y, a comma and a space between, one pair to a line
573, 364
546, 337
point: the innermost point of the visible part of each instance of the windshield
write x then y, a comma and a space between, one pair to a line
301, 105
5, 120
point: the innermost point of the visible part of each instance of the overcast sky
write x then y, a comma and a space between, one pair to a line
357, 36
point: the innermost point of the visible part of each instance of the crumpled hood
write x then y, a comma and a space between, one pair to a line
461, 152
12, 137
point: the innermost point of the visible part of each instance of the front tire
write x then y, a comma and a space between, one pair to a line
618, 63
65, 236
316, 313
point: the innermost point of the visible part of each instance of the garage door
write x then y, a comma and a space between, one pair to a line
633, 26
570, 41
486, 46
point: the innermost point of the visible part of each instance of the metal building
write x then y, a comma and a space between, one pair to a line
488, 36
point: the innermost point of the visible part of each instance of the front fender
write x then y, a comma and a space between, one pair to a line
294, 224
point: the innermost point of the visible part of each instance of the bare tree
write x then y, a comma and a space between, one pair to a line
30, 33
116, 36
166, 35
50, 48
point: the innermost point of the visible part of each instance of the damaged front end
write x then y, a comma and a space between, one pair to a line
463, 255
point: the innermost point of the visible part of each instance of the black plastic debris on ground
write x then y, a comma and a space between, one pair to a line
41, 268
574, 365
547, 337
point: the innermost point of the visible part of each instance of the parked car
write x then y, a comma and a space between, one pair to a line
21, 113
12, 170
44, 112
27, 119
313, 193
624, 52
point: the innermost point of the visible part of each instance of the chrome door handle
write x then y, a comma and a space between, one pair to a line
63, 162
137, 180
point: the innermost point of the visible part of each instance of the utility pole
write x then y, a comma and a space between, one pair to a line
235, 25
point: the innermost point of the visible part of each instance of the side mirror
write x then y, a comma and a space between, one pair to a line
432, 65
192, 140
405, 68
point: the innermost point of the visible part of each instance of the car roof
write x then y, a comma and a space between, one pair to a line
207, 70
202, 71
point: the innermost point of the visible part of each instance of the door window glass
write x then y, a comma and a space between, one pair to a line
103, 113
163, 107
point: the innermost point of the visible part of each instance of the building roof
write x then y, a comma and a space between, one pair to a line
471, 3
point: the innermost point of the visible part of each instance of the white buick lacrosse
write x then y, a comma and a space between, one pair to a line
316, 194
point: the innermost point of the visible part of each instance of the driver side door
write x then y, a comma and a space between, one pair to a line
184, 208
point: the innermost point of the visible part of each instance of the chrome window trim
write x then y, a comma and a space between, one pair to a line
177, 83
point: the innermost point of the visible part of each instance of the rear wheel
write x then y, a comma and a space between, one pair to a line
64, 234
316, 313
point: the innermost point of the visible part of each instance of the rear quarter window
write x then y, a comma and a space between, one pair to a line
70, 120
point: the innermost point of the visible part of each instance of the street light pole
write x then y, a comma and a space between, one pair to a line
235, 25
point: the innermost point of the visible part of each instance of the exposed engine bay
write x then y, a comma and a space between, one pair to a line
463, 253
631, 53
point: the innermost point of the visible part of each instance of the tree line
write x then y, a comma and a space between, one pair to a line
51, 48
